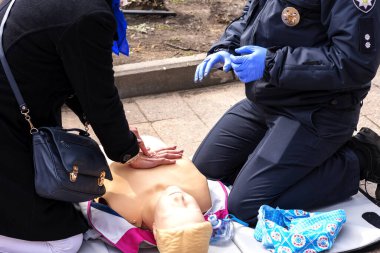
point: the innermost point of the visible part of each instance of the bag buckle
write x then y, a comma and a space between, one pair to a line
101, 178
74, 174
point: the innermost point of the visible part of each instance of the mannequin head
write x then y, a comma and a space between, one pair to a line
176, 208
179, 225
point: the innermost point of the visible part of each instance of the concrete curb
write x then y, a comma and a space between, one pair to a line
159, 76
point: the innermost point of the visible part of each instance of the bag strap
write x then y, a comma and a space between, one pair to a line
12, 82
24, 109
4, 62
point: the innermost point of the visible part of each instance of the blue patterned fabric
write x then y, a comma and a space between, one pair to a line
286, 231
121, 45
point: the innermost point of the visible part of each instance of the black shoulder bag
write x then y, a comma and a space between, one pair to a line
68, 166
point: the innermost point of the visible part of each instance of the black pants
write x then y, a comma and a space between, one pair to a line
292, 158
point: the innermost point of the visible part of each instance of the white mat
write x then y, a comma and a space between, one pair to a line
97, 246
355, 234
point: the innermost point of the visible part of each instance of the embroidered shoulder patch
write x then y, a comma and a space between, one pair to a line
365, 5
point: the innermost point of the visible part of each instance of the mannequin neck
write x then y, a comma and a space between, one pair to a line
149, 208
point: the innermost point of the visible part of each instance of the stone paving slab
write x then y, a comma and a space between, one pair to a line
163, 107
210, 103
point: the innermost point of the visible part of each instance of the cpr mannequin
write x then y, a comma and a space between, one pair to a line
172, 201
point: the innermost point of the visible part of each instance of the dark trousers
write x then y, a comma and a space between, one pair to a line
292, 158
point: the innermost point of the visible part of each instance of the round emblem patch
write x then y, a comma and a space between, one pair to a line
290, 16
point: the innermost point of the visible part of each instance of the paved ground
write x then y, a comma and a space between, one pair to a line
184, 118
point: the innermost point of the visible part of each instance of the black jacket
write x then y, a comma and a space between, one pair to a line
334, 51
55, 48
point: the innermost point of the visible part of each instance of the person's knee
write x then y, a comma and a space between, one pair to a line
244, 207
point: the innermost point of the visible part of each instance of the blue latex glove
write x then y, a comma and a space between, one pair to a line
250, 65
221, 58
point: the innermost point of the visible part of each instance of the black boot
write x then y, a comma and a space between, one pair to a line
366, 144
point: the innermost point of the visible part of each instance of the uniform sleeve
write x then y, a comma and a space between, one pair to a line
230, 40
86, 52
349, 59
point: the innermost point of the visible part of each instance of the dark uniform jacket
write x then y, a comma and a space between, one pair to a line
331, 56
55, 48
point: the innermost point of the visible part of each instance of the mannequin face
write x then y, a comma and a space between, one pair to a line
176, 208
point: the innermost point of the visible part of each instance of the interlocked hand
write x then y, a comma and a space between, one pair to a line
167, 155
221, 58
250, 65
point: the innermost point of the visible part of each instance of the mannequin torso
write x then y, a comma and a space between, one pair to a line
133, 193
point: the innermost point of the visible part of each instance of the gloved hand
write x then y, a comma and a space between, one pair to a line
203, 69
250, 65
